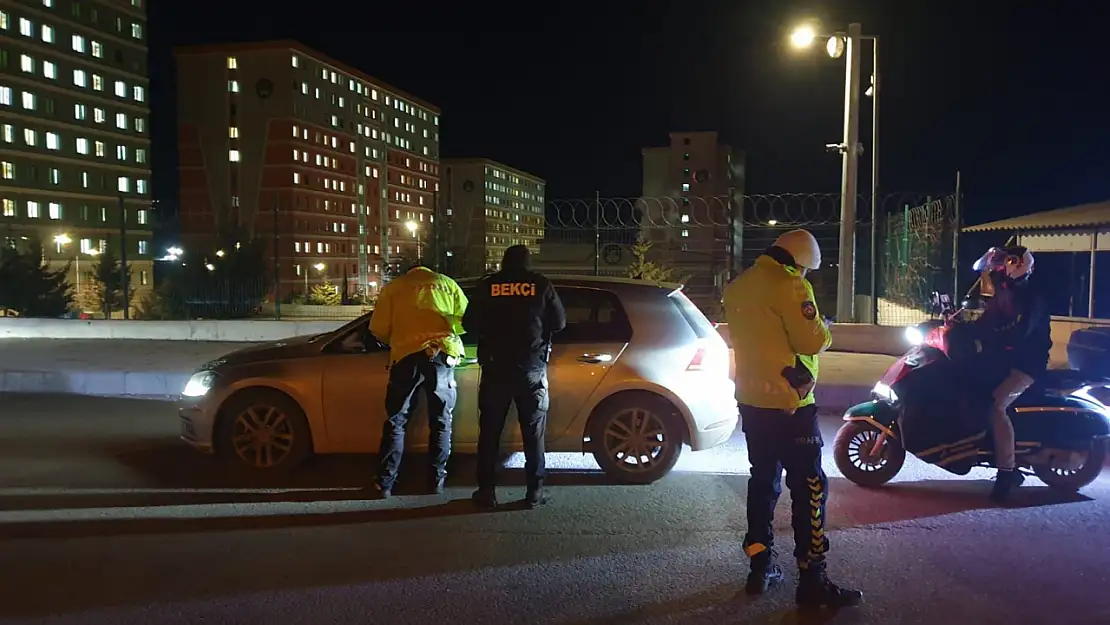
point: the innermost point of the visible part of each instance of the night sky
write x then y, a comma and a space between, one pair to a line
1014, 95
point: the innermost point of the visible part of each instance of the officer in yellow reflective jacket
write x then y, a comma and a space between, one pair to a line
419, 315
777, 334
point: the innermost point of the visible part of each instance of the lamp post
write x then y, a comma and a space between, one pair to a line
61, 241
317, 267
413, 227
839, 44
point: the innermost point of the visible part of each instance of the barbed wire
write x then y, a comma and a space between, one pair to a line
776, 210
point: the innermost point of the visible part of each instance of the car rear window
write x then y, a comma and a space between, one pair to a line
698, 322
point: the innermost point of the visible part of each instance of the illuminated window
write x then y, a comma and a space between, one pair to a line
52, 141
139, 93
78, 44
233, 86
233, 132
26, 28
296, 61
27, 64
48, 33
6, 96
79, 78
137, 31
121, 121
232, 63
79, 111
97, 49
121, 89
124, 184
82, 145
233, 156
8, 170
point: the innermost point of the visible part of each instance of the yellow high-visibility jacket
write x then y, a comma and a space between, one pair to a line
419, 309
773, 322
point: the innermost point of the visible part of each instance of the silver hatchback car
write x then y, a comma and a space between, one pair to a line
638, 372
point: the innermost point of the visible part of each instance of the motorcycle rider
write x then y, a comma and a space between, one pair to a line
1015, 334
777, 333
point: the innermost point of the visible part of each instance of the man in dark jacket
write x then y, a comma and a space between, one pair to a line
1016, 335
514, 313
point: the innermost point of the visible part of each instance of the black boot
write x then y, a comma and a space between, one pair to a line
1004, 484
435, 485
485, 497
815, 590
764, 574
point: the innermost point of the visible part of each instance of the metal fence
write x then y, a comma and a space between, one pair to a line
919, 248
703, 242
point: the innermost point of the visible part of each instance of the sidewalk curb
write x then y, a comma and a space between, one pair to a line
95, 383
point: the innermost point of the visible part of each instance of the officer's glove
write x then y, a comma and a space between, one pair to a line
800, 379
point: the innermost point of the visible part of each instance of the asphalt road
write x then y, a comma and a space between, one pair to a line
104, 518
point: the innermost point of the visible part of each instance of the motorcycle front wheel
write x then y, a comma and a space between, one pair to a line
1073, 480
855, 453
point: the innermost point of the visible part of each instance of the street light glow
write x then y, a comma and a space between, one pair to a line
803, 36
175, 251
319, 266
412, 226
63, 239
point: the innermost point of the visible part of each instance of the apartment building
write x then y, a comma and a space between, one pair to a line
690, 187
489, 206
74, 133
336, 170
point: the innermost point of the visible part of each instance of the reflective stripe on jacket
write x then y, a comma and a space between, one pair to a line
419, 309
774, 323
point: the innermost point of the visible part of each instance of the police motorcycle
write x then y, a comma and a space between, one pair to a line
1061, 428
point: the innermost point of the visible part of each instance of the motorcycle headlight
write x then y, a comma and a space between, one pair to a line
199, 384
914, 335
884, 392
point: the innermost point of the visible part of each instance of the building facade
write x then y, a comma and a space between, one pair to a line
74, 134
692, 188
335, 170
489, 207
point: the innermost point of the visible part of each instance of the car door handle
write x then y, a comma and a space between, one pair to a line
594, 358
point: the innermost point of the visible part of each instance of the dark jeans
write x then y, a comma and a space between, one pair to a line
408, 375
501, 386
777, 441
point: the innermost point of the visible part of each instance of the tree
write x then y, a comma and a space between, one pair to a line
643, 269
108, 283
29, 287
325, 294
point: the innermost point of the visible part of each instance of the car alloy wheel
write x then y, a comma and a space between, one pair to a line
637, 439
262, 435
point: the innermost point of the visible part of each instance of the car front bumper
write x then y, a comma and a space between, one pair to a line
198, 422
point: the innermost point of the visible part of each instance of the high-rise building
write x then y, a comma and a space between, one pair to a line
74, 133
690, 189
490, 206
276, 134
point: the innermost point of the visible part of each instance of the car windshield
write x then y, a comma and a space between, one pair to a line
345, 328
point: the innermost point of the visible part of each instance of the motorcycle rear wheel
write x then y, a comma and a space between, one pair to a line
1072, 481
852, 453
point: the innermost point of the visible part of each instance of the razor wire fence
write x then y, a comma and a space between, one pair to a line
701, 242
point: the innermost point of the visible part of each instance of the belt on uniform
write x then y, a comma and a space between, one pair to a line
434, 350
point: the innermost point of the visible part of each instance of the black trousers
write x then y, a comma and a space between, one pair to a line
407, 376
777, 441
500, 387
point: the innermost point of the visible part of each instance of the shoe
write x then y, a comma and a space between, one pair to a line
765, 573
383, 492
815, 590
485, 498
436, 485
1005, 483
536, 498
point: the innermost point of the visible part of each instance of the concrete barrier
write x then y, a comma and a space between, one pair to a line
250, 331
857, 338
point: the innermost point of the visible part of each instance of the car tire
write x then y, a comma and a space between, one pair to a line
263, 431
639, 422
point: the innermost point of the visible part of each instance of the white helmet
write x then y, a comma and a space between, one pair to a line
802, 246
1015, 261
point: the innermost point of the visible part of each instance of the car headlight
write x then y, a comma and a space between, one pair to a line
199, 384
882, 391
914, 335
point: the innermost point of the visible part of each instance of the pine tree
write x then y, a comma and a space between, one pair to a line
106, 275
28, 287
325, 294
642, 269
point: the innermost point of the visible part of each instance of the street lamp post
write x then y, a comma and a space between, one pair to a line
849, 43
413, 227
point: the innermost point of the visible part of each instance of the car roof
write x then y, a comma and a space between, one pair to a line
610, 282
